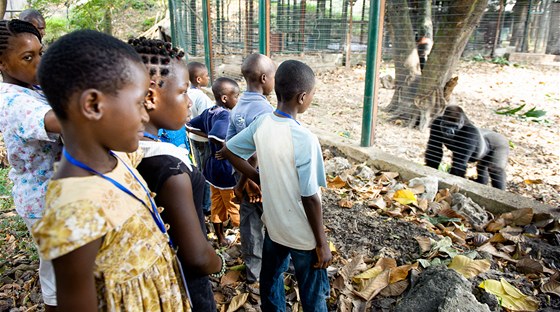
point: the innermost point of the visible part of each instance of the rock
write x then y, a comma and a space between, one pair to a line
475, 214
440, 289
430, 186
387, 82
365, 173
336, 166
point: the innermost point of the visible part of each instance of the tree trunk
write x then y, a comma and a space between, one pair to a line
420, 107
553, 45
425, 25
520, 10
405, 56
3, 5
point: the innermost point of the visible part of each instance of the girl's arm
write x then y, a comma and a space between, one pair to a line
75, 284
242, 165
180, 213
198, 132
51, 122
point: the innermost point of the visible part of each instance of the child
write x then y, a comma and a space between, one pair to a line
108, 245
36, 18
168, 171
258, 71
30, 131
214, 123
291, 173
198, 74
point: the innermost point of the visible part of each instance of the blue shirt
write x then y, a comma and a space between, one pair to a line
250, 106
214, 122
175, 137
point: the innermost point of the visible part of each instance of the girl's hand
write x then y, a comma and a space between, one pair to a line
324, 257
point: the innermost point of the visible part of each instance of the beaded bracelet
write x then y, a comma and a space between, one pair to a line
223, 270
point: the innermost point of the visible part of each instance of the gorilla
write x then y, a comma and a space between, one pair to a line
468, 144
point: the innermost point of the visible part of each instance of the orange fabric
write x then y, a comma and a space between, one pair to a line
222, 206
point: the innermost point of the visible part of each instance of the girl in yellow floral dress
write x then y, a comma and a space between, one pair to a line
108, 245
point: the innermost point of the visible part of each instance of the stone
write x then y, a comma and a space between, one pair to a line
336, 165
430, 187
439, 289
476, 215
365, 173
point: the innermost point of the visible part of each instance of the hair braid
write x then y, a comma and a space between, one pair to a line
156, 55
12, 28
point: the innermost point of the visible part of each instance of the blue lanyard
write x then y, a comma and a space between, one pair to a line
154, 211
279, 112
151, 136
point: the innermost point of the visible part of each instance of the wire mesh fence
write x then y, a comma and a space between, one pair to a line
426, 45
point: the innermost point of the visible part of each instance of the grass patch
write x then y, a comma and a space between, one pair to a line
15, 240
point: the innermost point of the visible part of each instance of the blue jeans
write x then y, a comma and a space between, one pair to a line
313, 283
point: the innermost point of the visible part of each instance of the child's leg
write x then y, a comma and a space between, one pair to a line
218, 215
231, 207
313, 283
251, 232
275, 262
46, 275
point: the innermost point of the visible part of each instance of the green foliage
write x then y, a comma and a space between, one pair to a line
533, 114
55, 28
445, 167
479, 58
501, 61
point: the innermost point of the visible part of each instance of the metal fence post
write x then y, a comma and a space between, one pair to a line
208, 59
373, 58
264, 27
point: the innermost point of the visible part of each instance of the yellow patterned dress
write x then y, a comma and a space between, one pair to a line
135, 267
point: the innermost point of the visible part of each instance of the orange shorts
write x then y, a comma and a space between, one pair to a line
222, 206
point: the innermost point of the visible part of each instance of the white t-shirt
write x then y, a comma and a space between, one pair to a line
200, 102
290, 166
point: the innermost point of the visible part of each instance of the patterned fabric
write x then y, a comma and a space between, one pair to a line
135, 269
31, 150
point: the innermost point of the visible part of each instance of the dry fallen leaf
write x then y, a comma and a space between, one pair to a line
405, 197
401, 272
529, 266
510, 297
336, 183
425, 243
344, 203
553, 285
489, 248
237, 302
467, 267
395, 289
374, 286
230, 277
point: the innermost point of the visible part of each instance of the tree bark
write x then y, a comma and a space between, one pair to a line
405, 55
418, 108
520, 10
553, 45
3, 5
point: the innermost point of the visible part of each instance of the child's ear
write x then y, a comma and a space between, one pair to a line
2, 65
301, 97
263, 78
150, 99
91, 104
223, 98
198, 79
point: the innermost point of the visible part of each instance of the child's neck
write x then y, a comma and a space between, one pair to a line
87, 152
288, 109
195, 86
151, 129
11, 80
257, 88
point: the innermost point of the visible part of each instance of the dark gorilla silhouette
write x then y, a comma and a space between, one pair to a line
468, 144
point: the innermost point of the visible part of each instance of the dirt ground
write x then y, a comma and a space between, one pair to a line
534, 162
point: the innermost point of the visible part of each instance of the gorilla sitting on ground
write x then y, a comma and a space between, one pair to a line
468, 144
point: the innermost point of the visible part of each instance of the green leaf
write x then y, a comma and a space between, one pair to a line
534, 113
440, 219
508, 111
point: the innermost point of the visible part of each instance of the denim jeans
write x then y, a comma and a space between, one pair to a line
313, 283
251, 232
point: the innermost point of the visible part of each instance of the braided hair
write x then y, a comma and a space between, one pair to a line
156, 55
13, 28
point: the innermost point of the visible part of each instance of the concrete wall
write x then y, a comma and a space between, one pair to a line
494, 200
